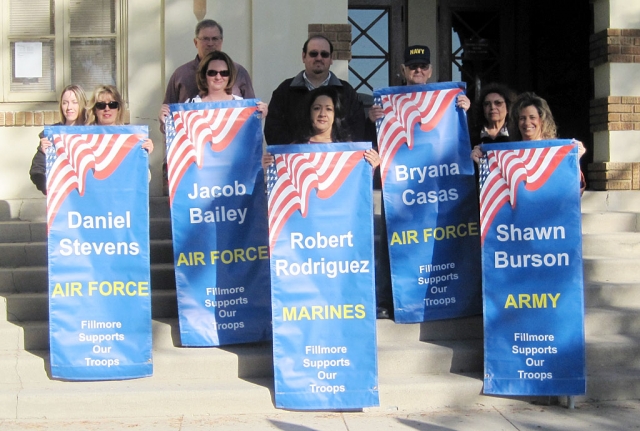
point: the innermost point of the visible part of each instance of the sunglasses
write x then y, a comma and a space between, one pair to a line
323, 54
223, 73
417, 66
103, 105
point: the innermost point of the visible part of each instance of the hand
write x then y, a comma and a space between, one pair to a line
164, 111
44, 144
476, 154
463, 102
148, 145
263, 109
372, 157
267, 160
581, 149
375, 113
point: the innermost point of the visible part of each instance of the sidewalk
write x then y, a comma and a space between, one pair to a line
609, 416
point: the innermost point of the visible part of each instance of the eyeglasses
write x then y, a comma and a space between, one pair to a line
223, 73
417, 66
214, 39
103, 105
496, 103
323, 54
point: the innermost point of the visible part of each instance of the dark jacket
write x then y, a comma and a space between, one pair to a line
287, 107
38, 170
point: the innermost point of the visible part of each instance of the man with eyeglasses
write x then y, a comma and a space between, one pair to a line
416, 70
287, 101
182, 84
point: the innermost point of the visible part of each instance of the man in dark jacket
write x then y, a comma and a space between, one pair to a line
287, 101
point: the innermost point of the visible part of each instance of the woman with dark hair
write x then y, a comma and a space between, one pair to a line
72, 113
322, 123
492, 113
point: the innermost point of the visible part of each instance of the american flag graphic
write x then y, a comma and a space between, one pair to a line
402, 112
502, 171
72, 156
192, 130
292, 177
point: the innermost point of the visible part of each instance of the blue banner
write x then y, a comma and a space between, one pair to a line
430, 202
322, 276
219, 221
98, 224
532, 269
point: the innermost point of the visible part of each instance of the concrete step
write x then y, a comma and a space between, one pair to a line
151, 397
610, 352
615, 200
608, 222
13, 255
463, 328
31, 306
600, 269
612, 295
35, 278
607, 385
621, 244
611, 321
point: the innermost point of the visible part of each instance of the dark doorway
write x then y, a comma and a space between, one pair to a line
529, 45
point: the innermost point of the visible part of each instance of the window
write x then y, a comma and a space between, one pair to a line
53, 43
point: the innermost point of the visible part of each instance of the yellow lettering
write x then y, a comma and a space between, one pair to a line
539, 301
554, 299
289, 313
511, 302
524, 299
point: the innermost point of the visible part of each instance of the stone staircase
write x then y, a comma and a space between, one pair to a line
421, 366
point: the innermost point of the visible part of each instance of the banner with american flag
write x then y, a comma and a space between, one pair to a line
430, 202
532, 269
322, 276
98, 248
219, 221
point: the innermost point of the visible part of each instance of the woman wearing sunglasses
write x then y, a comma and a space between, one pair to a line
106, 108
216, 76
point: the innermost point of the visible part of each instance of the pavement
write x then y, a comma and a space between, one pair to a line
609, 416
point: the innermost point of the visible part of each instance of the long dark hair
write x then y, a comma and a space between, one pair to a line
338, 131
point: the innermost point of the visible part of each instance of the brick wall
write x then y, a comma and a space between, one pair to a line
338, 34
616, 112
37, 118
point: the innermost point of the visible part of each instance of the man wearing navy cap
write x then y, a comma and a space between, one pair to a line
416, 70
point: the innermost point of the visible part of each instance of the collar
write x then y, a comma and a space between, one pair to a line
502, 132
300, 80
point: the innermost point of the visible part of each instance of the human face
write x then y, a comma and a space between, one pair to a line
70, 107
209, 39
317, 65
495, 109
217, 82
106, 116
530, 124
322, 114
416, 74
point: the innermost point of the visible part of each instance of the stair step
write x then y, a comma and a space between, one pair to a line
604, 269
35, 278
614, 200
14, 255
611, 321
23, 307
612, 295
608, 352
623, 244
608, 222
